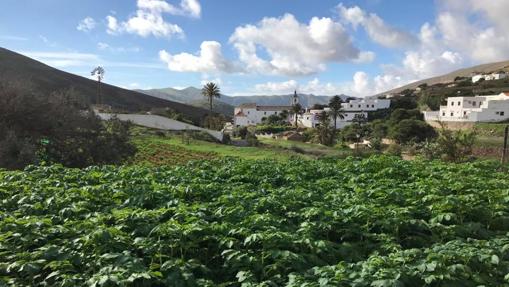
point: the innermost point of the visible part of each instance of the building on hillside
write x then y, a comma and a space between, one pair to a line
311, 118
253, 114
489, 77
492, 108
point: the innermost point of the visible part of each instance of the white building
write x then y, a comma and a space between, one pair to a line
311, 118
252, 114
493, 108
490, 77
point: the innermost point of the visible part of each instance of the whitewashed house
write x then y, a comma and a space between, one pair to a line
489, 77
311, 118
493, 108
253, 114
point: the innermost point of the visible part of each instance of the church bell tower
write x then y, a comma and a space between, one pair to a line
295, 99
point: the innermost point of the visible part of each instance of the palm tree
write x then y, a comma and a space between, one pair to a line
336, 109
211, 91
99, 73
296, 110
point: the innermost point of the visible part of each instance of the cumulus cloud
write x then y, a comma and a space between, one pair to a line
209, 59
359, 86
379, 31
293, 48
149, 20
476, 29
86, 25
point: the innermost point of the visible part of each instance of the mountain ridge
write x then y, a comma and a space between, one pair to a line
449, 77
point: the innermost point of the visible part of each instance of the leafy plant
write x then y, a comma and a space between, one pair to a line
379, 221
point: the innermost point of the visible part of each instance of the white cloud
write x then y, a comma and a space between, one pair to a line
293, 48
86, 25
75, 59
112, 24
365, 57
210, 59
12, 38
377, 29
476, 29
64, 59
315, 86
206, 79
106, 47
149, 20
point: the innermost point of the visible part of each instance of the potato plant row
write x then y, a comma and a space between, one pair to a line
379, 221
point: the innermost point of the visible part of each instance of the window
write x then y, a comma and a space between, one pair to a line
248, 112
372, 106
264, 113
502, 113
497, 113
473, 103
452, 103
443, 114
359, 106
452, 114
351, 106
459, 103
464, 113
275, 113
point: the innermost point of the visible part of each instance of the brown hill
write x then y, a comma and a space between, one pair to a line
20, 69
447, 78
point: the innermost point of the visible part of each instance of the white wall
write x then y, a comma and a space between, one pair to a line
158, 122
472, 109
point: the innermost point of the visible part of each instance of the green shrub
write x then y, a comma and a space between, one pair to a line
60, 128
410, 130
271, 129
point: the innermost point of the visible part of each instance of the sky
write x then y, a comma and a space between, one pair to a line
261, 47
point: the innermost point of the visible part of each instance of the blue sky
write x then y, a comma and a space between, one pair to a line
259, 47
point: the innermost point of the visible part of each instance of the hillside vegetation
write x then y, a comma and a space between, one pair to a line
448, 78
374, 222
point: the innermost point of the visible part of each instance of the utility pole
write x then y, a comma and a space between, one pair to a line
504, 151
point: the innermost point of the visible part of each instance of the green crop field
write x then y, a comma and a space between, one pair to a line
380, 221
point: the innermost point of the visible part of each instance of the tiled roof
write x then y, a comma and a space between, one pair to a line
240, 114
247, 106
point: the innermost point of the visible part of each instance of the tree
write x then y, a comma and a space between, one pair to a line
99, 73
336, 109
211, 91
411, 130
59, 128
325, 132
296, 110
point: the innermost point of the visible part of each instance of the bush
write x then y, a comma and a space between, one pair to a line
226, 139
411, 131
271, 129
394, 149
60, 128
214, 122
240, 132
456, 145
252, 140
